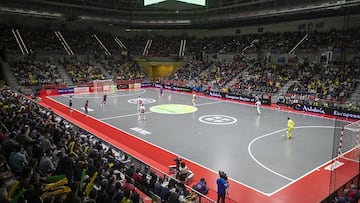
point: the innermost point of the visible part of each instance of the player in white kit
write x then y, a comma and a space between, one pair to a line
142, 112
258, 104
139, 103
194, 99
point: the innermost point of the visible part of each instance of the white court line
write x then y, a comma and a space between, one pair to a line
216, 102
258, 162
122, 116
276, 173
110, 95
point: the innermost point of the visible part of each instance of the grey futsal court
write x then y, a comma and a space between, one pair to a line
222, 135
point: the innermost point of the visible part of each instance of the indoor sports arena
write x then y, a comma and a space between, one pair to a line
180, 101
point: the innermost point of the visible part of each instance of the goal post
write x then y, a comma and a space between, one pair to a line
103, 85
349, 142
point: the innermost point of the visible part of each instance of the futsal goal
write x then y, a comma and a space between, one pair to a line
103, 85
349, 142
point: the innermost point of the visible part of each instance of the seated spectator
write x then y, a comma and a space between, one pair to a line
128, 185
201, 187
344, 198
353, 191
130, 171
158, 186
354, 194
73, 197
91, 198
137, 176
5, 171
17, 160
46, 165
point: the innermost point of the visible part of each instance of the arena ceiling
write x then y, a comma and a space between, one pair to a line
172, 13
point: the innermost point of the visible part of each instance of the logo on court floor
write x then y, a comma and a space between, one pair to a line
144, 100
89, 109
217, 119
173, 109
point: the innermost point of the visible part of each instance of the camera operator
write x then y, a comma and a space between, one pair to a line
222, 183
178, 161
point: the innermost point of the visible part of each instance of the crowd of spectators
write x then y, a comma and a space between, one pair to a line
263, 77
43, 39
82, 72
36, 72
349, 195
123, 70
236, 76
326, 82
44, 158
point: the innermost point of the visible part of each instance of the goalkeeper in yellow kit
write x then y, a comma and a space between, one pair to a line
290, 127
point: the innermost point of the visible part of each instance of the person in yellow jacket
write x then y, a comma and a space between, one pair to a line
290, 127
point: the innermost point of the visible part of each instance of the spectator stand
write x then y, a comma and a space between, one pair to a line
112, 159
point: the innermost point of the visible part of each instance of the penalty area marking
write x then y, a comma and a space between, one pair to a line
272, 133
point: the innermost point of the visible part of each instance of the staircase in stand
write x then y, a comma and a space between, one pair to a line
283, 90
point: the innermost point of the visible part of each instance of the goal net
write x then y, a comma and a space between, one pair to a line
349, 144
103, 85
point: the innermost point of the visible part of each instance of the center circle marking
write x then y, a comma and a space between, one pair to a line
173, 109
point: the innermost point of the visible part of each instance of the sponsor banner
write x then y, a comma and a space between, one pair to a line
137, 85
123, 86
48, 92
237, 97
158, 85
69, 90
177, 88
81, 89
146, 84
315, 109
347, 114
327, 111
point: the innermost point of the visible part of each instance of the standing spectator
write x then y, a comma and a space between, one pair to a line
222, 184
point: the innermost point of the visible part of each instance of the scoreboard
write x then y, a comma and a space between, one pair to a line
193, 2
